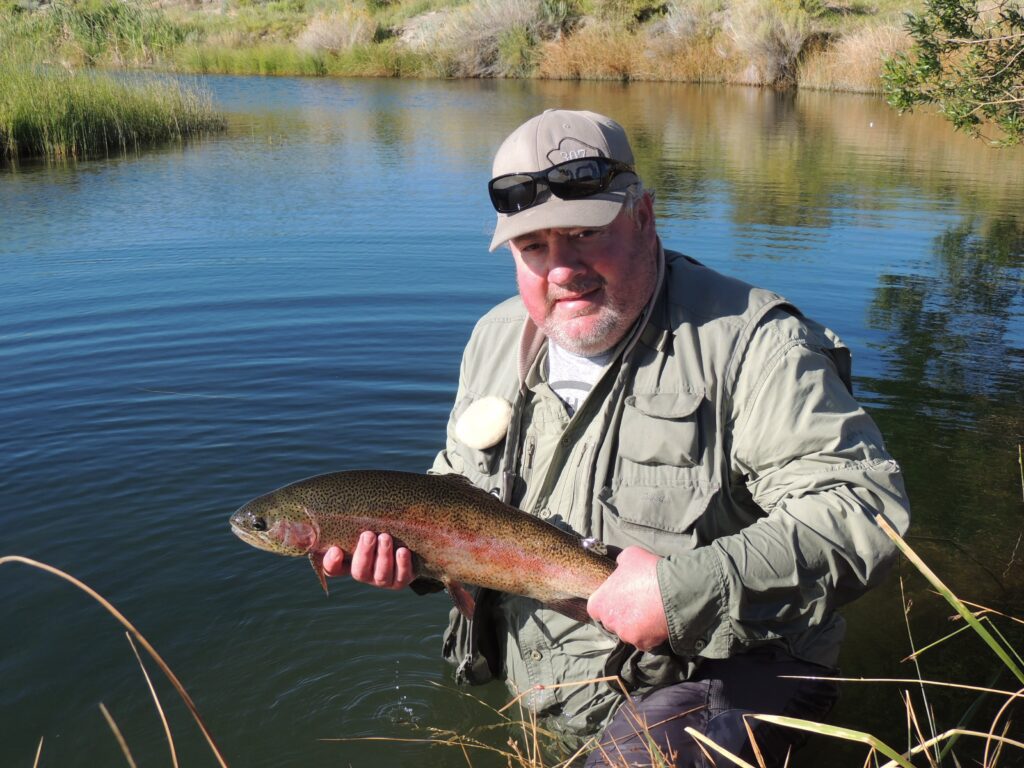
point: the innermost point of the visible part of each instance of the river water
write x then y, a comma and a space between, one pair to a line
190, 327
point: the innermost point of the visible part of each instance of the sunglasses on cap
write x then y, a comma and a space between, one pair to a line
571, 180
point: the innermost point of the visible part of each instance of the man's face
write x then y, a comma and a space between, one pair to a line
584, 288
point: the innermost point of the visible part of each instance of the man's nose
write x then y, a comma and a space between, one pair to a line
565, 263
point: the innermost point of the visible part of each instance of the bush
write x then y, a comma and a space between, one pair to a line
493, 38
770, 36
626, 12
560, 16
967, 62
422, 32
336, 31
698, 18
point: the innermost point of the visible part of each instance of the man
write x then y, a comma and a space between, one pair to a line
701, 427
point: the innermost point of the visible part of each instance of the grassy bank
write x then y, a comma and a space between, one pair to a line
810, 43
56, 113
51, 108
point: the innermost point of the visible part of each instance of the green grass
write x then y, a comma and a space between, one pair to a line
56, 113
384, 60
262, 59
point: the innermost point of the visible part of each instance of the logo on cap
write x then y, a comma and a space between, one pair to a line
572, 149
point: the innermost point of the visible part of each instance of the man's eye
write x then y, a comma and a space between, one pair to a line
583, 234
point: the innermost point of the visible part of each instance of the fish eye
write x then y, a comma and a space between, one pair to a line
259, 524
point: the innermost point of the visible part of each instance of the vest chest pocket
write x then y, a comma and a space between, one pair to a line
661, 428
660, 488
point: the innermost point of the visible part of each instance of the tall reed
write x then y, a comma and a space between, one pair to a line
58, 113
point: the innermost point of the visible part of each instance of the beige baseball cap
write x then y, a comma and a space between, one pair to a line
550, 138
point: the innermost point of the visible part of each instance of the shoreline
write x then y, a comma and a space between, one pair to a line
775, 43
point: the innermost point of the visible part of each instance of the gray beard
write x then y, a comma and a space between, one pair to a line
608, 332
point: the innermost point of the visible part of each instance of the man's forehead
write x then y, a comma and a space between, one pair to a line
541, 234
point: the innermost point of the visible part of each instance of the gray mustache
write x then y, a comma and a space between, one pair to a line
573, 289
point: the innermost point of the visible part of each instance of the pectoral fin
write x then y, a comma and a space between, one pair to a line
460, 596
316, 559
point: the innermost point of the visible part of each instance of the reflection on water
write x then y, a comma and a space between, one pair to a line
954, 356
185, 329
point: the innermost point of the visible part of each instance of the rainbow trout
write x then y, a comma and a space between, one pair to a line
457, 533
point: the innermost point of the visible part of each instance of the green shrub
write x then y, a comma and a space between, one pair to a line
814, 8
562, 16
967, 61
517, 52
627, 12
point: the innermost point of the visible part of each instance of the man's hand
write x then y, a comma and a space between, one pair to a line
374, 561
629, 601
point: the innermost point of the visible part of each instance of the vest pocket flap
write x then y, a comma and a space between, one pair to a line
661, 428
666, 405
670, 509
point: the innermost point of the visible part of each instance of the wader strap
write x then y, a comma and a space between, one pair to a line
656, 338
615, 662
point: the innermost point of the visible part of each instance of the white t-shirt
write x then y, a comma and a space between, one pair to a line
573, 376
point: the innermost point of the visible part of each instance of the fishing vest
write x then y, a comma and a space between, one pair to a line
648, 449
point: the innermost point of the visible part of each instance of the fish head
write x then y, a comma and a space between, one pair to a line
277, 522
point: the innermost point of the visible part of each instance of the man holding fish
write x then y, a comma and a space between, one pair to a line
700, 428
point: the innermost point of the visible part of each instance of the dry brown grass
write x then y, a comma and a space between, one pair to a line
688, 44
854, 62
596, 52
599, 52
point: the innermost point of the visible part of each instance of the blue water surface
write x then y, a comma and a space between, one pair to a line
189, 327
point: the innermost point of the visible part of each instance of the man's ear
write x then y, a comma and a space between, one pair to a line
644, 215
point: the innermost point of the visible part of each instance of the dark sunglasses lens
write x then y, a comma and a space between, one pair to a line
579, 178
513, 192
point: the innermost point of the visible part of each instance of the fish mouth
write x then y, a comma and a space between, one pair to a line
249, 537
